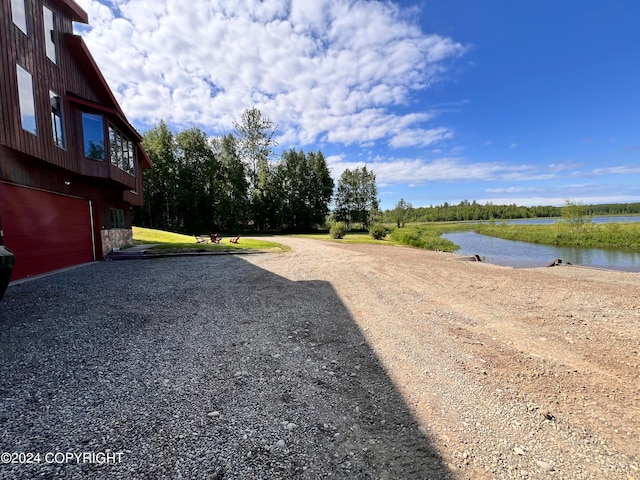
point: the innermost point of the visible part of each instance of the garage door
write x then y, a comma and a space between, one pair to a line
44, 230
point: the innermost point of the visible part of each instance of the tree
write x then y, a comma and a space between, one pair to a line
160, 185
306, 186
401, 212
199, 182
357, 198
574, 215
321, 188
233, 201
294, 173
255, 142
203, 185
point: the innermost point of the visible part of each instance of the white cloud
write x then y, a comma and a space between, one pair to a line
557, 193
559, 199
618, 170
516, 190
329, 70
420, 137
448, 169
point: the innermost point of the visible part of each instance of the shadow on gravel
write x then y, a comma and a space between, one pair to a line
196, 368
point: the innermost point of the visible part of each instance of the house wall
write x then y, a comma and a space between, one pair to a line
19, 169
34, 161
67, 75
29, 52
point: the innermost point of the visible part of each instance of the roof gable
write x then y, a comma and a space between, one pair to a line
109, 104
74, 11
90, 69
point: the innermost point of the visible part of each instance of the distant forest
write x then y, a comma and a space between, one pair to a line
466, 210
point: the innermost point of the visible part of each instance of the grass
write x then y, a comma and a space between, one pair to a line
149, 235
178, 242
355, 237
619, 236
422, 236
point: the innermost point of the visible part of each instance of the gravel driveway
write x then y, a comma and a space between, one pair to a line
196, 368
341, 361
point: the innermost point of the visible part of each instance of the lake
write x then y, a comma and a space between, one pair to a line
523, 254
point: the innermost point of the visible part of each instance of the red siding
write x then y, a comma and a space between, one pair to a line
75, 77
46, 191
45, 231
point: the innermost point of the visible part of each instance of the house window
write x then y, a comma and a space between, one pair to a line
117, 218
49, 35
19, 14
121, 151
56, 119
93, 135
27, 101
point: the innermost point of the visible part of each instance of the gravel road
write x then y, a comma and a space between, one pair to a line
328, 361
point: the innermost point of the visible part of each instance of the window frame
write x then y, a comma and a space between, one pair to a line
51, 48
25, 102
117, 218
19, 15
57, 120
121, 151
87, 141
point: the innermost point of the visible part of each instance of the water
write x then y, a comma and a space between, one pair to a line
523, 254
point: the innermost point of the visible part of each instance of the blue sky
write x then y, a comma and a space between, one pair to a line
504, 101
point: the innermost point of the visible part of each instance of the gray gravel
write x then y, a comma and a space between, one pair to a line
206, 367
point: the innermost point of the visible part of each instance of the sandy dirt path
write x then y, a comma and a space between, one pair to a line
512, 373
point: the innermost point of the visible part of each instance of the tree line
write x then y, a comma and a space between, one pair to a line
404, 212
231, 183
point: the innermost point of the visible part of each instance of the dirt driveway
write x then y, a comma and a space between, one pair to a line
530, 373
328, 361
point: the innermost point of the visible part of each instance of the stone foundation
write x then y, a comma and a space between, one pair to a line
116, 238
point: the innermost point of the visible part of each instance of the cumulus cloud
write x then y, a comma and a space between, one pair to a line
324, 70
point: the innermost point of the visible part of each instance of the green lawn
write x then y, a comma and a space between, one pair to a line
357, 237
422, 236
177, 241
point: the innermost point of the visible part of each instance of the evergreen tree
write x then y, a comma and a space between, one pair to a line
199, 183
295, 174
321, 188
233, 202
160, 185
357, 198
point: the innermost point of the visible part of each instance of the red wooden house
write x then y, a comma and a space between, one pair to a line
70, 162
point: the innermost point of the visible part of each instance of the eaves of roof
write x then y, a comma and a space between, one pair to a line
110, 105
74, 10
